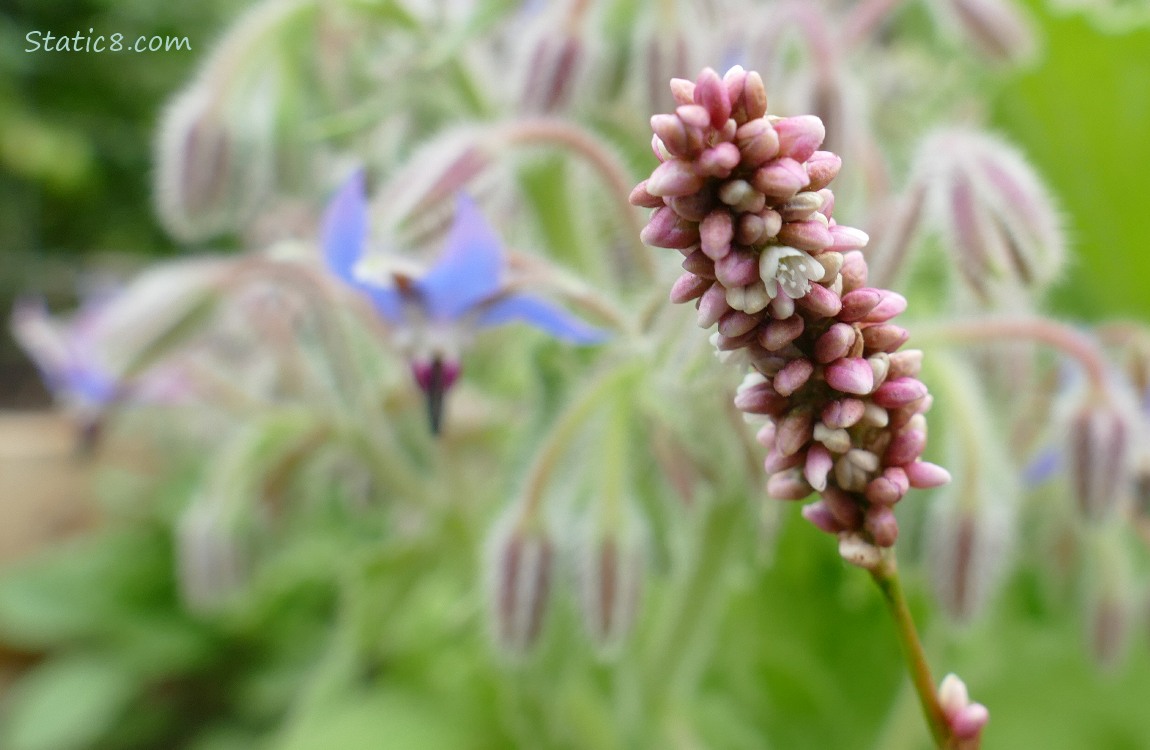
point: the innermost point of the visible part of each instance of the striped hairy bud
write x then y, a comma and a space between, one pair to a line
1101, 440
996, 29
212, 560
214, 160
999, 220
610, 571
519, 567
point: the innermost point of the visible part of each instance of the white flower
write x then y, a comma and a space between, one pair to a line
788, 269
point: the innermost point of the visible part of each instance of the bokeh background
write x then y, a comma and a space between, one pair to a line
75, 162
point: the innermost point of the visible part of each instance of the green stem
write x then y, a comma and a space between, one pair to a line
690, 607
885, 574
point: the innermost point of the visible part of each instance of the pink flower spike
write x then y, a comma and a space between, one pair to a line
924, 475
850, 375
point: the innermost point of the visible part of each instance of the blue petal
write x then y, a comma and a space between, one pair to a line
89, 384
345, 228
387, 301
544, 316
1042, 467
470, 268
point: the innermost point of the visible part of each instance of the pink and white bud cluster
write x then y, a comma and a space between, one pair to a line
964, 717
743, 196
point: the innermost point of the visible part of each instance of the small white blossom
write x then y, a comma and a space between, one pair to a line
789, 270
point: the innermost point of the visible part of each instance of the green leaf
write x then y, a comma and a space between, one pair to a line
69, 702
391, 719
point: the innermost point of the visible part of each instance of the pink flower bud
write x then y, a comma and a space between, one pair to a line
683, 90
640, 197
899, 392
924, 475
822, 168
754, 96
793, 376
778, 333
819, 515
858, 304
693, 115
780, 178
737, 268
854, 271
699, 264
788, 485
519, 564
716, 233
693, 207
906, 446
666, 229
892, 304
821, 301
777, 461
965, 719
881, 525
906, 363
810, 236
889, 487
843, 506
835, 343
794, 431
800, 136
673, 133
802, 206
757, 141
688, 287
712, 306
850, 375
736, 323
844, 239
843, 413
885, 337
674, 177
817, 466
854, 470
760, 399
719, 160
712, 94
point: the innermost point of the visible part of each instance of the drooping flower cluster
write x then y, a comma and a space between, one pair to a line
743, 196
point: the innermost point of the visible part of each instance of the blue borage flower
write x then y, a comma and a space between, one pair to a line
438, 312
64, 356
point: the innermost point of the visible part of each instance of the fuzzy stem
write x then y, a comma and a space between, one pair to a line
865, 18
565, 430
559, 133
885, 575
1069, 340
